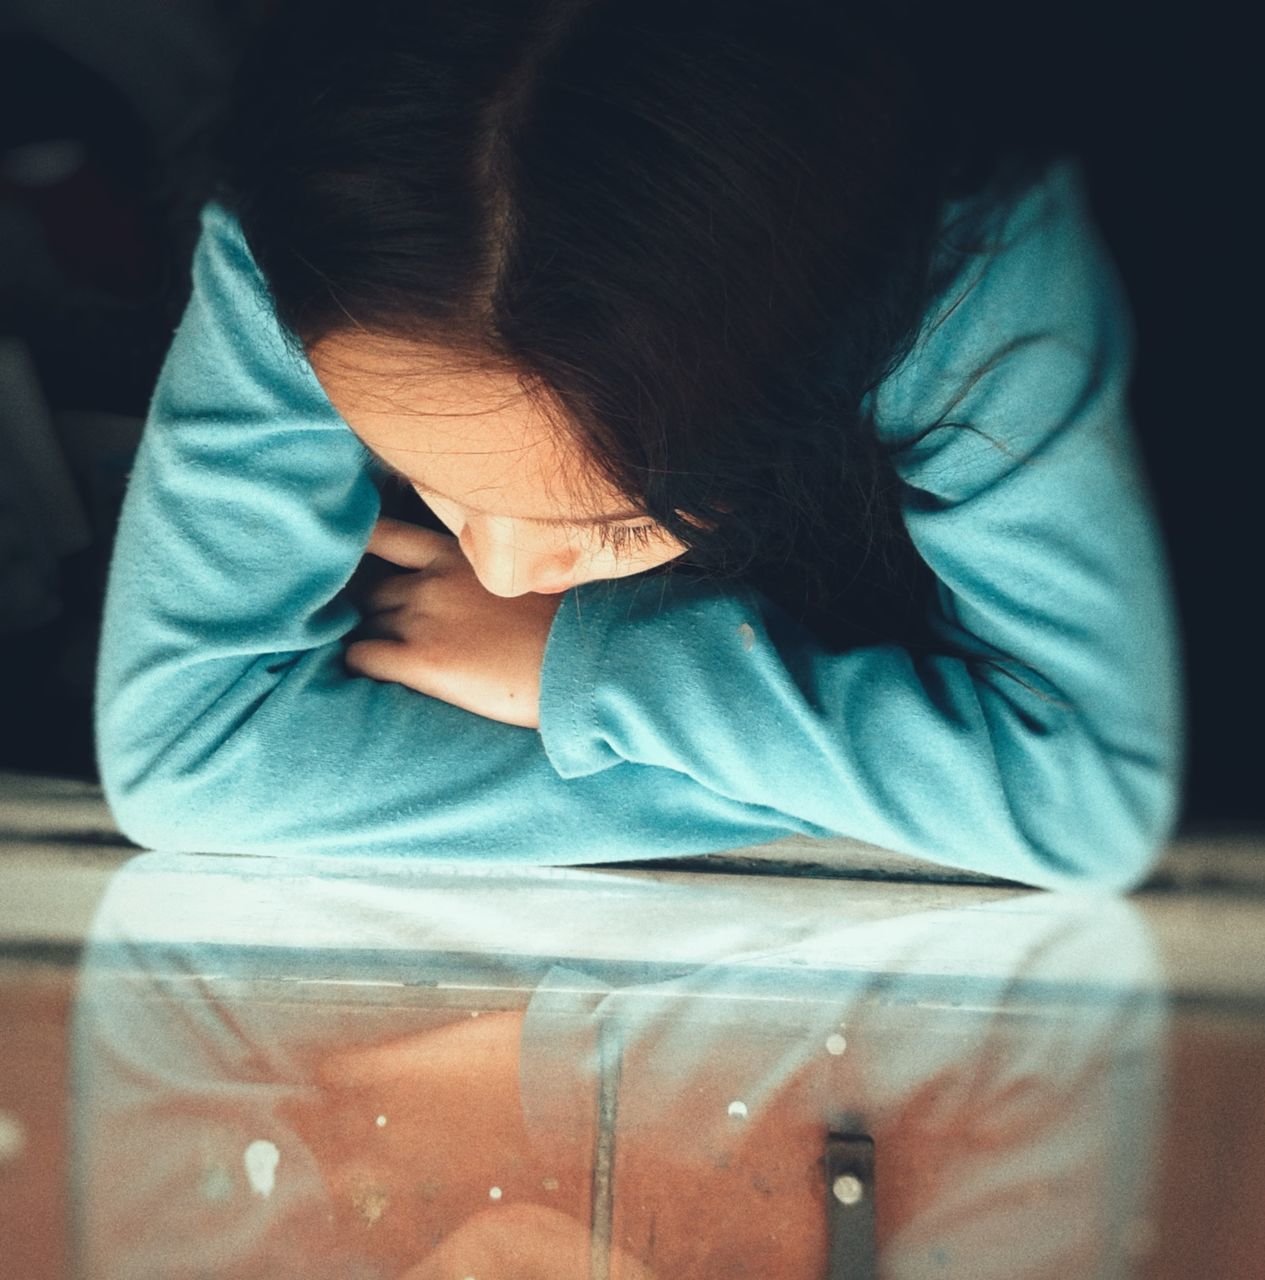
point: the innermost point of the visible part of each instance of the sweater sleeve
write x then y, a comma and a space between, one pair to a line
226, 719
1029, 504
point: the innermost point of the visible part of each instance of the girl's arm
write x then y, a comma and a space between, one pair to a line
226, 720
1046, 549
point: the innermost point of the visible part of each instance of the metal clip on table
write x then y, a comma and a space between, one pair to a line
852, 1253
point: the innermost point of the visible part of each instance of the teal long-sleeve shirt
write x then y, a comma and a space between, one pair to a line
677, 716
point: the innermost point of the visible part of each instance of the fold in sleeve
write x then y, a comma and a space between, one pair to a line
1052, 754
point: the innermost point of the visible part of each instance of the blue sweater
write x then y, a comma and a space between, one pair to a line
677, 717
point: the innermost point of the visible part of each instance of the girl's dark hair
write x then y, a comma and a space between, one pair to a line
699, 231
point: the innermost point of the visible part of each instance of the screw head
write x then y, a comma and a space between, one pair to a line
848, 1189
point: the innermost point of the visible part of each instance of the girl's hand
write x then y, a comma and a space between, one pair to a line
440, 631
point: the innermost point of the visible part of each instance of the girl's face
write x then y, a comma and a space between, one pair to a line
528, 515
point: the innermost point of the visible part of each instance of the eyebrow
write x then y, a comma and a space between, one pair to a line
617, 518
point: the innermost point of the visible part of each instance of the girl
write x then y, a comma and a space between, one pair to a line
766, 421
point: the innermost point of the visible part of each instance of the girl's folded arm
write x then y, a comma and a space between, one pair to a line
226, 720
1030, 506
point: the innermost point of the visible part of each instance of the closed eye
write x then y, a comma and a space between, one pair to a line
625, 537
619, 538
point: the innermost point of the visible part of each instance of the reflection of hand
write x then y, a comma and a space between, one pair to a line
453, 1130
521, 1242
417, 1188
440, 631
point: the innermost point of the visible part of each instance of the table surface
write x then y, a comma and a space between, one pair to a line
224, 1066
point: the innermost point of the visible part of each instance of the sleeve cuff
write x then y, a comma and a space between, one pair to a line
574, 652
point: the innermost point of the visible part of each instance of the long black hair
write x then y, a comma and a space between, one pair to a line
699, 232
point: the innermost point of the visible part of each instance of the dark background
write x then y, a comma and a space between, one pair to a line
95, 239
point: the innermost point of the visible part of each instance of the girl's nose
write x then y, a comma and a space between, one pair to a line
509, 565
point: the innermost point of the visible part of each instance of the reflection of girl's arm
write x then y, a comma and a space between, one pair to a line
181, 1151
994, 1125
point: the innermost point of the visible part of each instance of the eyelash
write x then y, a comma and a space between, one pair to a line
623, 537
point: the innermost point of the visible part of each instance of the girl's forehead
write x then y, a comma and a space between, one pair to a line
392, 378
469, 432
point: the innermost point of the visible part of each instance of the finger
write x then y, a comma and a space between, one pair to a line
380, 624
381, 659
397, 591
408, 545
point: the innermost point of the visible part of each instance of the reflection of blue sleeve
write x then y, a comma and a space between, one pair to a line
1036, 520
1032, 1031
173, 1085
1032, 1025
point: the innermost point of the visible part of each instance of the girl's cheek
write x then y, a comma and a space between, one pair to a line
611, 564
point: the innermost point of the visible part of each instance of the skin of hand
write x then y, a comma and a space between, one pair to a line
439, 631
413, 1189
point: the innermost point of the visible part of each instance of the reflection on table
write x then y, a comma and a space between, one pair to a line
283, 1069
